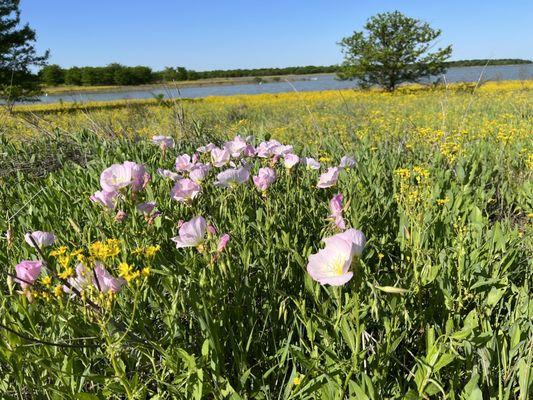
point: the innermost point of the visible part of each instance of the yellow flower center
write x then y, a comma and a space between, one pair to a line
338, 266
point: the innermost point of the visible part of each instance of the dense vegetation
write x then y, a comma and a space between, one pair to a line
116, 74
439, 305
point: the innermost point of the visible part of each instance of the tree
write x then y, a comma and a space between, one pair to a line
73, 76
395, 49
17, 56
52, 75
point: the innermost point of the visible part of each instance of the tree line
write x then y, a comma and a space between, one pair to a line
117, 74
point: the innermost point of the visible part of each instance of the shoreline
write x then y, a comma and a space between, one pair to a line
73, 90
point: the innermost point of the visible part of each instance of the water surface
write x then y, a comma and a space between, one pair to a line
305, 84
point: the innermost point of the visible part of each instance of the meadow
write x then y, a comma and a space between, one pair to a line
248, 276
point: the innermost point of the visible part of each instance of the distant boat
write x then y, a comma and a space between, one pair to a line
313, 79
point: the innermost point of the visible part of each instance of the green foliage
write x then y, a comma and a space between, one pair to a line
52, 75
17, 55
112, 74
395, 49
483, 62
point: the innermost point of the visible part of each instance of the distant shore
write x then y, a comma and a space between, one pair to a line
73, 90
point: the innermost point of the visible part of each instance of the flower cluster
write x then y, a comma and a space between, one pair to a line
78, 272
100, 269
119, 177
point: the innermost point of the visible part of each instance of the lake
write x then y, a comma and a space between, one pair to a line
306, 83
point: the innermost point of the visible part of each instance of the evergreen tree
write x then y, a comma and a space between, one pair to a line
17, 55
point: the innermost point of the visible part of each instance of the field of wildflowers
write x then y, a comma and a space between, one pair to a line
332, 245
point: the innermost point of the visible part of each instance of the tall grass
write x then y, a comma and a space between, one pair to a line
439, 306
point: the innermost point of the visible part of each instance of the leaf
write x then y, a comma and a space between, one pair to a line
494, 296
476, 216
476, 394
444, 360
358, 391
391, 289
524, 373
86, 396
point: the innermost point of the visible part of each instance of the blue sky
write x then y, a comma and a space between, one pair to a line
228, 34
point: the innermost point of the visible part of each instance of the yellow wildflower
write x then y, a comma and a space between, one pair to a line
76, 252
58, 290
63, 260
47, 280
101, 251
145, 272
138, 250
59, 251
67, 273
126, 271
151, 250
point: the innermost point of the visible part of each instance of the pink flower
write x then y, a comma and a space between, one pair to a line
222, 243
199, 172
266, 149
165, 142
347, 162
116, 177
311, 163
185, 190
206, 149
282, 149
183, 163
220, 157
146, 208
27, 272
335, 205
107, 199
42, 239
236, 146
264, 178
290, 160
81, 281
165, 173
191, 233
331, 265
249, 151
121, 216
232, 177
356, 238
105, 282
329, 178
139, 175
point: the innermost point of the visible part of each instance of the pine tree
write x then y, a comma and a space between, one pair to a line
17, 56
